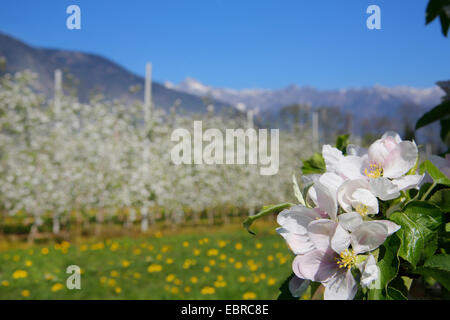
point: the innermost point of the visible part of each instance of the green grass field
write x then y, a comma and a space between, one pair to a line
200, 263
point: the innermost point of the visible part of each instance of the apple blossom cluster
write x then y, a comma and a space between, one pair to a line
335, 231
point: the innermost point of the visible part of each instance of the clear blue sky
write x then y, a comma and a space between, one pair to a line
246, 43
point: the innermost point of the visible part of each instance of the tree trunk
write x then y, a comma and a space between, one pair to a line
56, 228
144, 219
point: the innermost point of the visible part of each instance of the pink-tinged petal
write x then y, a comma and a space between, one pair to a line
369, 271
392, 134
341, 287
350, 167
332, 181
365, 197
378, 152
400, 160
321, 231
345, 192
391, 226
297, 218
368, 236
350, 221
340, 240
408, 182
326, 200
384, 188
316, 265
299, 244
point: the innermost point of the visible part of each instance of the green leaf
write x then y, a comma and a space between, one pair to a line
419, 222
315, 164
297, 192
441, 199
434, 172
435, 114
266, 210
388, 264
342, 143
437, 267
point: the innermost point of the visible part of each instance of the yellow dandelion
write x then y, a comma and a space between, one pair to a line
187, 289
164, 249
208, 290
249, 295
177, 282
114, 274
20, 274
271, 281
28, 263
175, 290
185, 244
262, 276
220, 284
112, 282
57, 287
238, 246
154, 268
196, 252
242, 279
44, 251
136, 275
231, 260
212, 262
222, 243
194, 280
114, 246
125, 263
269, 258
16, 258
158, 234
137, 251
5, 283
117, 290
103, 280
25, 293
170, 277
253, 267
206, 269
169, 260
212, 252
259, 245
238, 265
223, 257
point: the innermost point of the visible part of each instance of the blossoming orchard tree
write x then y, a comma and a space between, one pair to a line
61, 158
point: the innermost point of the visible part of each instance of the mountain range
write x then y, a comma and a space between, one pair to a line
88, 74
362, 102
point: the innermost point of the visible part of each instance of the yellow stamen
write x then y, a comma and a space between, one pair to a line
375, 170
362, 209
347, 259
